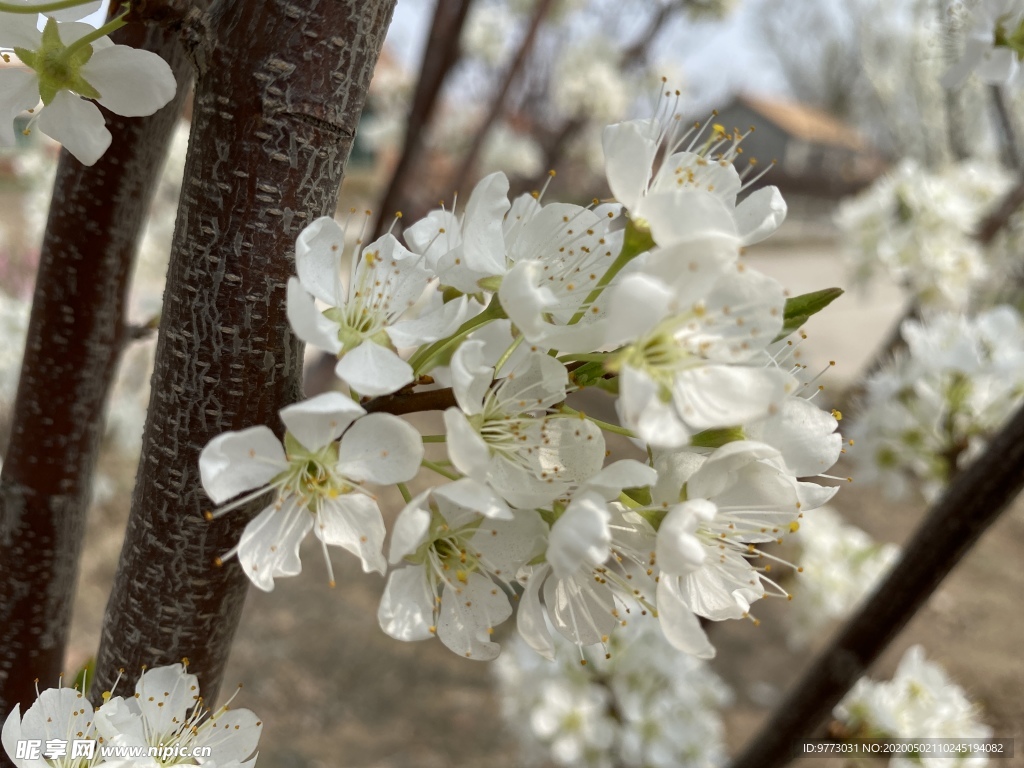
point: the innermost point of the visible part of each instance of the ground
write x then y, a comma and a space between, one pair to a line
333, 690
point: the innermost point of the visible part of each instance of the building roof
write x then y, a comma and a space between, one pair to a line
805, 122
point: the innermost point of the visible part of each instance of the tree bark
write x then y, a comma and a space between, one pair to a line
279, 91
75, 336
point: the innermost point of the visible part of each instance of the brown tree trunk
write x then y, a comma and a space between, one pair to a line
279, 91
75, 336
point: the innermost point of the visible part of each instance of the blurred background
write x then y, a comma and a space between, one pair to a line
840, 94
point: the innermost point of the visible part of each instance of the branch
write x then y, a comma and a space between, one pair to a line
440, 55
401, 403
273, 122
76, 333
540, 11
1007, 131
973, 501
994, 223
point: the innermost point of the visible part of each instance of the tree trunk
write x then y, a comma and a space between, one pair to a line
75, 336
279, 91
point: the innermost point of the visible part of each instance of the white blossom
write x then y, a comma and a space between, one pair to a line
125, 80
317, 483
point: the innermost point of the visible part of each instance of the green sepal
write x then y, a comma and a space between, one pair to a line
292, 447
588, 374
450, 294
28, 58
716, 438
47, 92
491, 284
51, 36
800, 308
641, 496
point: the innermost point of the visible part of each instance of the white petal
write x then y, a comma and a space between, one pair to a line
309, 324
380, 448
471, 376
165, 695
629, 151
525, 300
240, 461
232, 736
638, 303
318, 252
353, 521
723, 590
269, 546
18, 91
505, 546
410, 528
536, 383
580, 608
803, 433
20, 30
371, 369
469, 494
686, 215
469, 613
406, 609
78, 124
679, 551
580, 536
680, 625
430, 326
691, 268
530, 621
483, 240
625, 473
321, 419
467, 450
761, 213
131, 82
434, 235
74, 14
722, 396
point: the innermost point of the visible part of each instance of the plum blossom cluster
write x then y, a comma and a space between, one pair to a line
930, 412
918, 227
639, 704
70, 67
920, 702
839, 565
164, 722
512, 318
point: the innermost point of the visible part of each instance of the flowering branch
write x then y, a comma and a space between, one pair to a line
274, 118
77, 331
973, 501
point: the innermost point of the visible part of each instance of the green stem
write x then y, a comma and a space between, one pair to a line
435, 467
56, 5
507, 354
111, 26
404, 490
627, 501
602, 424
630, 250
592, 357
425, 357
434, 438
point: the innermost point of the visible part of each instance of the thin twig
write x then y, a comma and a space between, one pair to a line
440, 55
972, 502
540, 11
401, 403
994, 223
1007, 131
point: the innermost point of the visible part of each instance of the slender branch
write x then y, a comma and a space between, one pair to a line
76, 332
1007, 130
412, 402
439, 56
540, 11
275, 113
973, 501
994, 223
555, 142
